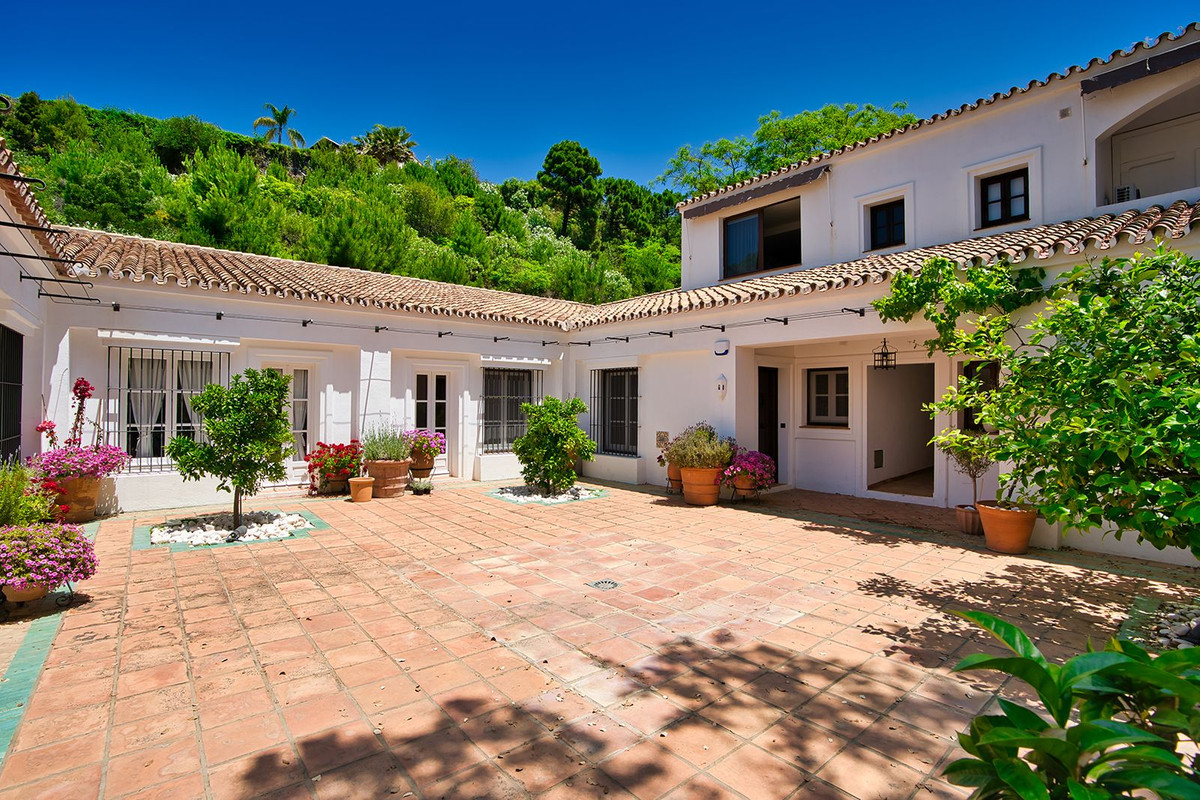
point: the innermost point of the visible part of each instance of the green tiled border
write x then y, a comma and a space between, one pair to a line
141, 536
496, 494
22, 673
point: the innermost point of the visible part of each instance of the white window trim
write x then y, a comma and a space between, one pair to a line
833, 421
1031, 159
866, 202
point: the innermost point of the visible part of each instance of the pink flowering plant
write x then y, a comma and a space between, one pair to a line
45, 555
759, 467
426, 444
72, 459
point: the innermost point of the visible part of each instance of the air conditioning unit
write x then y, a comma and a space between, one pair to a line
1127, 193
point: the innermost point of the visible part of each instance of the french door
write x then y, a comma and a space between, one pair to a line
299, 417
433, 412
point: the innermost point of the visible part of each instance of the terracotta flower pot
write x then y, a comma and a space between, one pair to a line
79, 495
27, 594
1007, 530
361, 489
968, 520
744, 486
422, 466
391, 477
700, 486
674, 477
333, 487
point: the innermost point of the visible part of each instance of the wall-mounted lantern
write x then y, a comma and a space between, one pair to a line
885, 357
722, 386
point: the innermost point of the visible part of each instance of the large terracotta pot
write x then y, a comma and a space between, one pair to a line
744, 486
27, 594
391, 477
674, 477
968, 520
361, 489
700, 487
79, 495
338, 486
422, 466
1007, 530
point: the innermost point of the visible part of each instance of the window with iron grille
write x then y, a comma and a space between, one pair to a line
149, 399
504, 390
614, 417
11, 363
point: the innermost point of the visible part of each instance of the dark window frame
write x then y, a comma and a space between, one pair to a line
979, 370
614, 418
504, 390
12, 364
889, 225
1004, 180
830, 419
760, 265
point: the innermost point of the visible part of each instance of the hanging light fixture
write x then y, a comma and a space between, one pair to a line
885, 357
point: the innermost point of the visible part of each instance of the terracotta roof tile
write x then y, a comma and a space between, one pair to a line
1039, 242
121, 257
20, 196
949, 114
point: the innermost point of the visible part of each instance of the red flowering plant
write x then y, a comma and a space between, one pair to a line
759, 467
333, 462
44, 555
73, 459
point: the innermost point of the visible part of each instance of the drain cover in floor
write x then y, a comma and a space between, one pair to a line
604, 583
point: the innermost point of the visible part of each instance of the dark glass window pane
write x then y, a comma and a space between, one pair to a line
741, 245
822, 383
439, 416
422, 387
439, 387
822, 405
842, 406
842, 383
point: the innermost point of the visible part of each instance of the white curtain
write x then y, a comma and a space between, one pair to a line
147, 400
193, 377
300, 412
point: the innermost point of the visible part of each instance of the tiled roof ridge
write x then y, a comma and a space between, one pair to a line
1141, 45
1069, 237
23, 200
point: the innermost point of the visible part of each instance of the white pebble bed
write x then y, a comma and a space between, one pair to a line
526, 494
215, 528
1169, 623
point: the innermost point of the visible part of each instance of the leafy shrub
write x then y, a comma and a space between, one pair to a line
1118, 721
333, 462
385, 442
971, 453
552, 443
247, 435
25, 498
700, 446
759, 467
50, 555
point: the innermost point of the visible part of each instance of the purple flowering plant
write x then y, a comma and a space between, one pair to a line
45, 555
426, 444
73, 459
760, 467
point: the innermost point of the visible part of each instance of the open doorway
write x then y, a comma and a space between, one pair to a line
899, 456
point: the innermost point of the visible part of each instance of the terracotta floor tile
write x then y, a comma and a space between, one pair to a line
377, 776
648, 770
133, 771
320, 714
597, 736
647, 712
257, 774
336, 747
758, 774
540, 764
243, 737
81, 783
188, 787
24, 766
698, 741
868, 775
799, 743
151, 731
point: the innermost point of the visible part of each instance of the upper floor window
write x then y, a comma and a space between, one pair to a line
768, 238
1004, 198
887, 224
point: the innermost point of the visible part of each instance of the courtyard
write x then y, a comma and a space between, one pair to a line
451, 646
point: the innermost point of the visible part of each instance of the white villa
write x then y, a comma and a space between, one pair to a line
770, 337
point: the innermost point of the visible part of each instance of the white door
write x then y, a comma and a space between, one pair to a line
433, 413
299, 418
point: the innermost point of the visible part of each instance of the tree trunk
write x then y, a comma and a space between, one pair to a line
566, 217
237, 507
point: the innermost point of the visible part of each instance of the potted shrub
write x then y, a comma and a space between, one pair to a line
749, 473
361, 488
331, 466
674, 476
971, 453
425, 446
702, 455
37, 558
421, 485
76, 468
386, 454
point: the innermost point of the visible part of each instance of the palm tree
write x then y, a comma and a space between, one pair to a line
277, 122
387, 145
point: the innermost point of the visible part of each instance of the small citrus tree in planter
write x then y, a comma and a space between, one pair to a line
971, 454
247, 435
552, 444
702, 455
387, 455
77, 469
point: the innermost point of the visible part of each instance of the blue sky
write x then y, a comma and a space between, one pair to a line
500, 83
